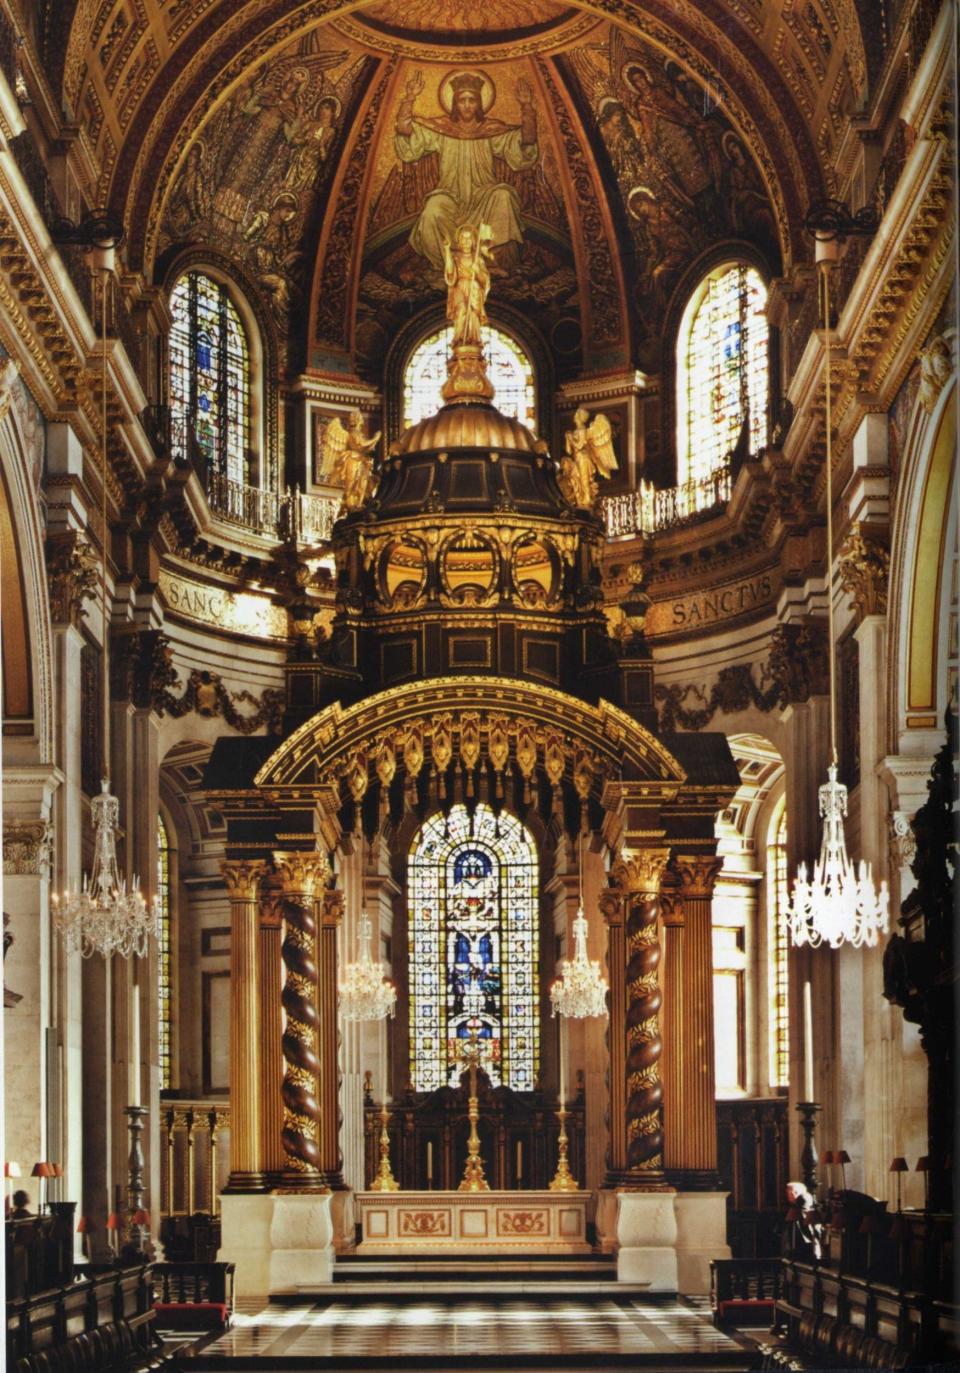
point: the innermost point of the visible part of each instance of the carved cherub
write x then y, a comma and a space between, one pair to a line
346, 457
588, 454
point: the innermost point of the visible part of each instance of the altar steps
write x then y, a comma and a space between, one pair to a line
437, 1270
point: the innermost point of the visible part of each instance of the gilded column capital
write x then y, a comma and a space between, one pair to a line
26, 847
301, 874
640, 870
697, 873
331, 908
72, 575
864, 566
242, 879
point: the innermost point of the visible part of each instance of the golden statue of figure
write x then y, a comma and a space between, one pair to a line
466, 270
588, 454
346, 458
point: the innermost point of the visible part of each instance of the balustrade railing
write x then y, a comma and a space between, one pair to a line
194, 1136
649, 510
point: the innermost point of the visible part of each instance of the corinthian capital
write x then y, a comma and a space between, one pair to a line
242, 879
697, 872
302, 874
640, 870
864, 568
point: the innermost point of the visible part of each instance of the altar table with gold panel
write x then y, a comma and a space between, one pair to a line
472, 1222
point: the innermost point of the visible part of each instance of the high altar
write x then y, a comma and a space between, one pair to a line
471, 752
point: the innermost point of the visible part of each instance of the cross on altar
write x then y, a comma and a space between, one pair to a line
469, 1055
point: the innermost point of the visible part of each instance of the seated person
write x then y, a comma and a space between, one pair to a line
21, 1201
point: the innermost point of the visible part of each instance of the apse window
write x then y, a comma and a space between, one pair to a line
777, 945
729, 964
508, 367
473, 936
164, 952
209, 377
722, 378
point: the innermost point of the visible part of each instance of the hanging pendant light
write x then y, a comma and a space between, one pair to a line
580, 991
104, 916
365, 993
837, 904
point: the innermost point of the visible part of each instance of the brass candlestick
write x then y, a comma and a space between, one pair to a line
384, 1181
563, 1180
473, 1178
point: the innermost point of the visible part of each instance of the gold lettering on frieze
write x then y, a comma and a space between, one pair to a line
715, 604
242, 612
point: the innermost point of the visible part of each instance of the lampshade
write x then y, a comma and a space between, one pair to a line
140, 1218
42, 1170
923, 1164
11, 1170
829, 1156
112, 1221
841, 1156
57, 1170
899, 1165
86, 1225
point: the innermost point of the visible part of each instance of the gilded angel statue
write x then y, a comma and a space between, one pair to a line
588, 454
346, 458
466, 270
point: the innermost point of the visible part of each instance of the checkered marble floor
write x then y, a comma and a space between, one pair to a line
446, 1333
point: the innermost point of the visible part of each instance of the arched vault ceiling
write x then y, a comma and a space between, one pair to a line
266, 132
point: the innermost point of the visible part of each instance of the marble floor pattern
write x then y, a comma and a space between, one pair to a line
446, 1332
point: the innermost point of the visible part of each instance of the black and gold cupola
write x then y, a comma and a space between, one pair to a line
467, 559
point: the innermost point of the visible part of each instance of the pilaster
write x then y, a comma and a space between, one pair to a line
242, 880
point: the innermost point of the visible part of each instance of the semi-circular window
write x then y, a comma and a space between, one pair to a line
722, 378
508, 367
210, 377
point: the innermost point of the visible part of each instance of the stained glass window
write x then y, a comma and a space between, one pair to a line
163, 950
778, 1001
473, 927
210, 375
508, 367
722, 372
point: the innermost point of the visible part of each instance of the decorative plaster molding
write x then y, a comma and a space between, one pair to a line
26, 848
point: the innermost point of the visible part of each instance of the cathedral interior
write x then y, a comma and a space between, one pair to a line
479, 544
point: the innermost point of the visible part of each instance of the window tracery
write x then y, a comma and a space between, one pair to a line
164, 954
722, 379
210, 375
508, 367
473, 900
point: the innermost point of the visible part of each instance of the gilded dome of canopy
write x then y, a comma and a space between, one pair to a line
467, 426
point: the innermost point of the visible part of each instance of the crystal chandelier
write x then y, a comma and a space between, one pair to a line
104, 916
580, 990
838, 905
365, 993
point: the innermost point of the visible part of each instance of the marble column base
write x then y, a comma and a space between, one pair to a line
280, 1242
701, 1236
664, 1240
647, 1239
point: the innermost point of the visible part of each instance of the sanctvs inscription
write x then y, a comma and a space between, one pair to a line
712, 605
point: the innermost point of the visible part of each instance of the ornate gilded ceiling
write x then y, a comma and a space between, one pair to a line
275, 135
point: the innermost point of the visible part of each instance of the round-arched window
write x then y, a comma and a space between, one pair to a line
722, 379
210, 376
508, 367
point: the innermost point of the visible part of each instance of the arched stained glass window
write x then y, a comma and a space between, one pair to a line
777, 941
473, 900
164, 952
210, 374
508, 367
722, 378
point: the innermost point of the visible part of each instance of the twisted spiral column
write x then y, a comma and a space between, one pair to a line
242, 880
302, 876
636, 1124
